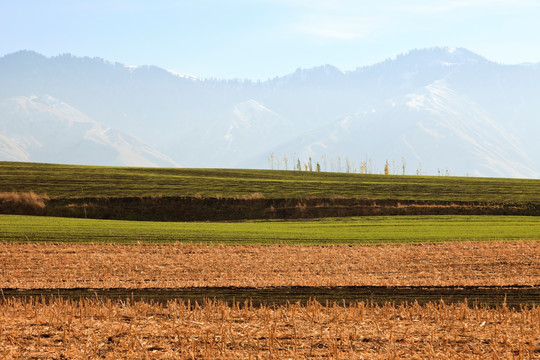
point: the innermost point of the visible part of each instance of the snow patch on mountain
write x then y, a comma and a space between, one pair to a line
184, 76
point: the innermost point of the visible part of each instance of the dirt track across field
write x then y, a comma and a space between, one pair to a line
513, 296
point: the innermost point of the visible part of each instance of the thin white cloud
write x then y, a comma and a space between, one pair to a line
420, 6
441, 6
349, 20
313, 4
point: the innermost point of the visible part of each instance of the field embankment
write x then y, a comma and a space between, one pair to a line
224, 209
219, 209
244, 208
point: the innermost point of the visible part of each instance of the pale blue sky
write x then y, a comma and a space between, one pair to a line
258, 39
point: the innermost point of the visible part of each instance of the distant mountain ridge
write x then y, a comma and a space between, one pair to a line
437, 108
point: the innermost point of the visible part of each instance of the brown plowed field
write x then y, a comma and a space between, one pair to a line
46, 266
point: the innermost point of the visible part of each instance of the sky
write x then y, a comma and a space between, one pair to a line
261, 39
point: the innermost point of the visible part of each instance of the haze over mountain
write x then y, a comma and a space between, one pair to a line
437, 109
44, 129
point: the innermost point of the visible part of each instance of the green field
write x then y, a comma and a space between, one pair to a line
90, 181
359, 230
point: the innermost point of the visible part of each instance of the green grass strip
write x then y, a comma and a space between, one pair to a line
93, 181
359, 230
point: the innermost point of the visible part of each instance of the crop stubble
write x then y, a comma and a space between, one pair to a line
64, 266
41, 328
91, 328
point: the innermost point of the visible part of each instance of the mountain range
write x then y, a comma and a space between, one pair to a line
434, 111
